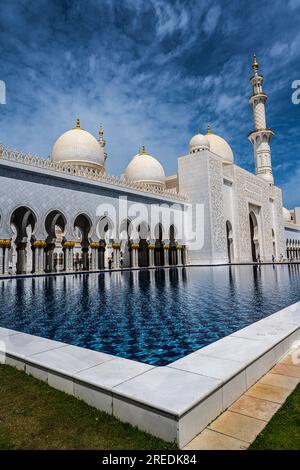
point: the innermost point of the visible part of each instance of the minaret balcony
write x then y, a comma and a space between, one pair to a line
258, 132
258, 96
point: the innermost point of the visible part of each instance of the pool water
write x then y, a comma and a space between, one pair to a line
152, 316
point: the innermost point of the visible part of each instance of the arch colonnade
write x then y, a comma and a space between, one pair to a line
91, 248
293, 249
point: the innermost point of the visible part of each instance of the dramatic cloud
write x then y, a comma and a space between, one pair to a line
151, 73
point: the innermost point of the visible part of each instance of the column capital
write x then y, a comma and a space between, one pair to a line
5, 243
39, 244
95, 245
166, 244
116, 244
69, 244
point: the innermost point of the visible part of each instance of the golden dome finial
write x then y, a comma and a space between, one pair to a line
101, 132
77, 123
143, 150
255, 63
209, 131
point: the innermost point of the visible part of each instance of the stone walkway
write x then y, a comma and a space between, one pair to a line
237, 428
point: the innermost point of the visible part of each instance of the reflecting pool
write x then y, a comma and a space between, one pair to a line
153, 316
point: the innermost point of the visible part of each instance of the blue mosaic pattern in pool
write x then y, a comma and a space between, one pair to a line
153, 316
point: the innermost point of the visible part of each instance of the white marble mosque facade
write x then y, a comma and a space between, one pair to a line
54, 212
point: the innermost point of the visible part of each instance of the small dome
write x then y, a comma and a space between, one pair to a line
144, 168
286, 215
198, 142
219, 146
78, 147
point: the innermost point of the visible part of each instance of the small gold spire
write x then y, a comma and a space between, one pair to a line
143, 150
101, 132
255, 63
77, 123
209, 131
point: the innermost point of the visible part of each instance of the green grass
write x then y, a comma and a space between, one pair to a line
36, 416
283, 431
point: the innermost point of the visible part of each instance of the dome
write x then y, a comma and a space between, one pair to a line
78, 147
144, 168
286, 215
219, 146
198, 142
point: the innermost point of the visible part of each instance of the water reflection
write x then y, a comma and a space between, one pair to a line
155, 316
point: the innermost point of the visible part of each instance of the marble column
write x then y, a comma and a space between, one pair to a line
135, 254
38, 256
6, 259
183, 255
166, 247
21, 258
60, 261
179, 255
151, 247
116, 254
101, 256
49, 265
68, 255
95, 255
5, 246
85, 257
1, 259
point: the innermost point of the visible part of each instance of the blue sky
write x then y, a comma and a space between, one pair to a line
152, 72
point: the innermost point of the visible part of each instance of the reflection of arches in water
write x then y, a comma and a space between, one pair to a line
159, 249
172, 249
229, 236
143, 255
254, 236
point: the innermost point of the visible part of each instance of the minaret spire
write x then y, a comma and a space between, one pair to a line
261, 135
101, 139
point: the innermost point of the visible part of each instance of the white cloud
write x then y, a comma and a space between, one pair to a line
211, 19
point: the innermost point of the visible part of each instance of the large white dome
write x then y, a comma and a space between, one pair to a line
286, 215
143, 168
78, 147
199, 142
219, 146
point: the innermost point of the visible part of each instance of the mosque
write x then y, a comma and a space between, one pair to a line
65, 213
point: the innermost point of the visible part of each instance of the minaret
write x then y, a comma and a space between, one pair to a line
261, 135
101, 141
